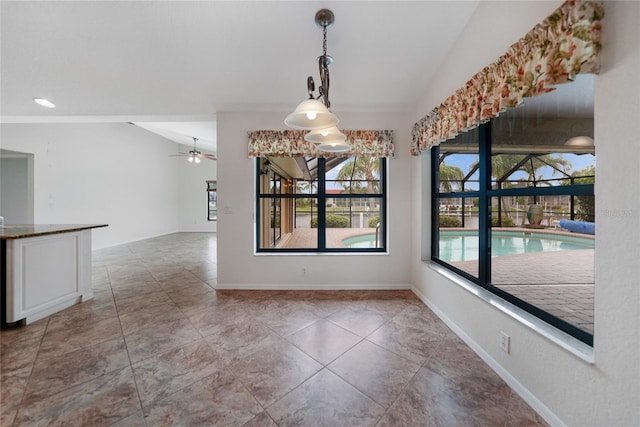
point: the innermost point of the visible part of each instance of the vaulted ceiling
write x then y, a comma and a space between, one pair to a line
181, 61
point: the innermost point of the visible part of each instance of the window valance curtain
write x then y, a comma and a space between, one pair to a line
553, 52
291, 143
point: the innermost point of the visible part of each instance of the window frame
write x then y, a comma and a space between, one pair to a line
484, 194
322, 196
211, 190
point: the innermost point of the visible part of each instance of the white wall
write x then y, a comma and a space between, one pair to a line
237, 264
193, 194
564, 388
16, 188
112, 173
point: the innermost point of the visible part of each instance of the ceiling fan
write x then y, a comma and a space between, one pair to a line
194, 155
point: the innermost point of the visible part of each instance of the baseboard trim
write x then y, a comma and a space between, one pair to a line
310, 287
522, 391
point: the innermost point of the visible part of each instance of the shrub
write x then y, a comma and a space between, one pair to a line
586, 208
506, 222
373, 222
449, 221
332, 221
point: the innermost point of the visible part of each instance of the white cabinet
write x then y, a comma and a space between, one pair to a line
45, 274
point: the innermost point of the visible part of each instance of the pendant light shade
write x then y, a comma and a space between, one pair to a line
311, 114
326, 136
334, 147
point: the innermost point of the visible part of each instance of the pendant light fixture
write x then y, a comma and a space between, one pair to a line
313, 114
328, 139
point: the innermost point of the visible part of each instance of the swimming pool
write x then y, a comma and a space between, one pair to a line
362, 241
458, 245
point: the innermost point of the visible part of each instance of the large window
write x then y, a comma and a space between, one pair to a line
212, 200
513, 211
316, 204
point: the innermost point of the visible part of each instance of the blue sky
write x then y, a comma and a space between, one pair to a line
578, 162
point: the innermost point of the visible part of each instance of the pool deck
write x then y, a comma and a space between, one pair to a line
307, 237
561, 283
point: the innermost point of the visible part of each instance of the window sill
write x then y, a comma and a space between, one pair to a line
565, 341
277, 253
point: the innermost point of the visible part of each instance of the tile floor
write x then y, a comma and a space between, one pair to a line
160, 346
560, 283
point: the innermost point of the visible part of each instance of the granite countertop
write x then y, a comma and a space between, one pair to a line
20, 231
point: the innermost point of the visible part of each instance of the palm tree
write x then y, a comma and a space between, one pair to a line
307, 187
359, 169
557, 164
505, 165
450, 175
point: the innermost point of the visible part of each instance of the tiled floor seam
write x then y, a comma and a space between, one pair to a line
133, 374
382, 405
228, 368
33, 365
292, 390
400, 394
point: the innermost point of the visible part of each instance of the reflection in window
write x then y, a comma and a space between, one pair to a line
514, 210
212, 200
332, 204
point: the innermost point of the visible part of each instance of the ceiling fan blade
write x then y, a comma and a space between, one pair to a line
195, 153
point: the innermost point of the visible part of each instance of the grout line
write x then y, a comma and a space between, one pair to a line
126, 346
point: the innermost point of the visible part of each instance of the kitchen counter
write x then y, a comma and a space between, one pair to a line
19, 231
45, 268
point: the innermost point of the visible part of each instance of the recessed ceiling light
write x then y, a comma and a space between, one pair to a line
44, 102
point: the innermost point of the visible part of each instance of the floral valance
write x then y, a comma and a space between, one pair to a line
553, 52
291, 143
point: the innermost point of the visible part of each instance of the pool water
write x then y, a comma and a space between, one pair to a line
463, 245
362, 241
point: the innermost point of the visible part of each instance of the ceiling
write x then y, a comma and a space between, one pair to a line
184, 132
180, 62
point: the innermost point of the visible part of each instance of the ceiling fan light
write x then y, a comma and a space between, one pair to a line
190, 159
311, 114
196, 159
580, 141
